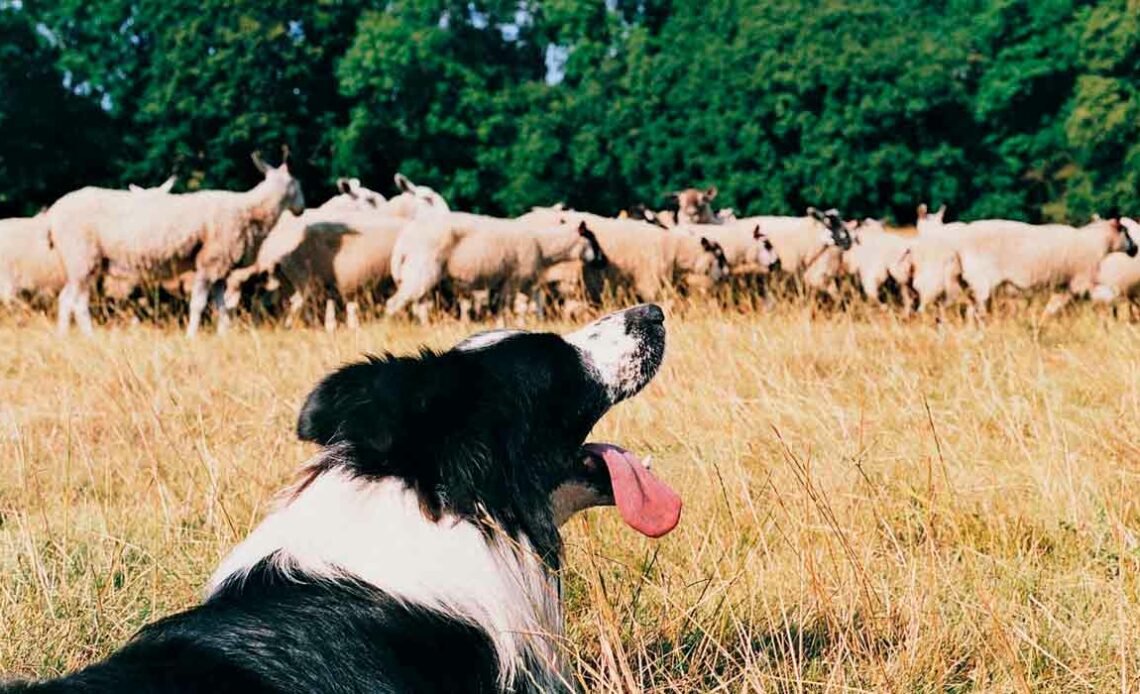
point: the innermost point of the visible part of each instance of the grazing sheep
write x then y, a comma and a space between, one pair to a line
1063, 259
1118, 275
803, 242
478, 253
505, 262
163, 236
932, 269
344, 260
29, 263
645, 261
873, 260
354, 268
747, 249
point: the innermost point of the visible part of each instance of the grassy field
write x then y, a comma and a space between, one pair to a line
871, 504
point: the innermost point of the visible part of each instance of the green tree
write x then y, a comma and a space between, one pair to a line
42, 152
195, 86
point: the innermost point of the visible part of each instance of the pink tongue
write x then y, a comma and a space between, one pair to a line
647, 504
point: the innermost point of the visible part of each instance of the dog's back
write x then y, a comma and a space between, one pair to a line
274, 634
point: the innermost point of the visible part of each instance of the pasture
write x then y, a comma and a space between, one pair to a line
871, 503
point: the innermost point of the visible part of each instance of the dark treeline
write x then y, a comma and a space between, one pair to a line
1026, 109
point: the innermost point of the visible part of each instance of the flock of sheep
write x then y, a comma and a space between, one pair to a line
411, 252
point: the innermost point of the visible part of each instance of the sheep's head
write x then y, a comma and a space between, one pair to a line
762, 253
425, 199
713, 262
693, 205
280, 179
1125, 241
591, 253
836, 232
353, 194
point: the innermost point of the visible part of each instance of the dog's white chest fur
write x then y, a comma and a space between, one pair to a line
375, 531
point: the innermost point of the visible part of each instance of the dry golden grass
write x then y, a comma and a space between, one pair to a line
871, 504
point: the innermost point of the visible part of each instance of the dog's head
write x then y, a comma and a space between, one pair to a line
494, 429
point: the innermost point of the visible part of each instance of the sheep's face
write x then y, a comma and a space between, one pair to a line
424, 199
589, 250
762, 253
693, 206
292, 198
712, 262
835, 230
1123, 240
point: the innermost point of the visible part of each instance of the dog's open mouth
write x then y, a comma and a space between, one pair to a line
647, 504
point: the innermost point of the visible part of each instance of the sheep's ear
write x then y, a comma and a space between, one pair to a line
710, 193
258, 162
583, 230
135, 189
707, 245
941, 211
757, 234
403, 183
284, 155
819, 216
922, 210
168, 184
342, 186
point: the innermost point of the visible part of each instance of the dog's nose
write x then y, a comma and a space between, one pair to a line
649, 313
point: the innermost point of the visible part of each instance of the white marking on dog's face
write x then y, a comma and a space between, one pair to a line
485, 339
375, 531
623, 349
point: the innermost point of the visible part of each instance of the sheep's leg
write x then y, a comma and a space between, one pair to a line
330, 315
81, 308
66, 304
1057, 302
538, 300
465, 309
221, 311
422, 311
414, 285
199, 296
352, 315
296, 303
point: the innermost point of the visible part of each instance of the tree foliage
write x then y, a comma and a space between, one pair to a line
1019, 108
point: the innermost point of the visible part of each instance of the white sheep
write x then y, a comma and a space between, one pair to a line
645, 261
931, 267
476, 252
1055, 257
29, 263
1118, 275
747, 249
209, 232
873, 259
357, 257
354, 196
508, 261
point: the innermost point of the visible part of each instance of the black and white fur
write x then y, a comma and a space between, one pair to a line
418, 551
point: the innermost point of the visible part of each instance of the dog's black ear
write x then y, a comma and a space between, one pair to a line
367, 404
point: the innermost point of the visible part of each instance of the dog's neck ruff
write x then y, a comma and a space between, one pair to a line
340, 526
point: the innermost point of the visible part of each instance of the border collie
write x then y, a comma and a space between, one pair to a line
418, 552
